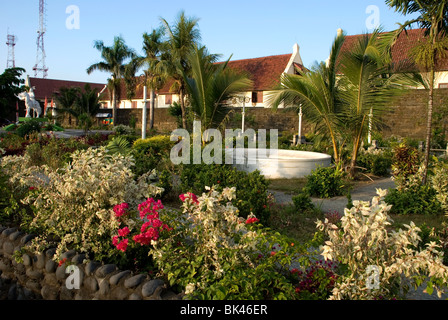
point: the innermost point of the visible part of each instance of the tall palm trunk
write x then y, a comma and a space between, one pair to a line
355, 152
182, 107
114, 106
151, 109
429, 123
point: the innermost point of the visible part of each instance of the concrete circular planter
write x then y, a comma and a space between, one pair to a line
277, 164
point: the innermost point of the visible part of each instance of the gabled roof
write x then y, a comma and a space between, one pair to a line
47, 88
401, 50
265, 73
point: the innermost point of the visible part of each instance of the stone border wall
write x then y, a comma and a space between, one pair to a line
38, 277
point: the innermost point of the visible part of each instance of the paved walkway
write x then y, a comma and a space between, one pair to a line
364, 192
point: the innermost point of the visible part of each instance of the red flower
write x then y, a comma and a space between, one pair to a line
252, 220
189, 195
62, 261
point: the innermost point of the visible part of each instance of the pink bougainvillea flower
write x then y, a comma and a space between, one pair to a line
149, 207
123, 232
121, 209
189, 195
123, 245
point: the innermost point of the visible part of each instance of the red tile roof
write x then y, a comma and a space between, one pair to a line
265, 73
402, 47
47, 88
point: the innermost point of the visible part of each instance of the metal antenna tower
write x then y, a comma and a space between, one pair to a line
11, 43
40, 66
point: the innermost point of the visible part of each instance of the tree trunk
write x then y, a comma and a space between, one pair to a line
356, 145
151, 109
114, 107
182, 107
429, 124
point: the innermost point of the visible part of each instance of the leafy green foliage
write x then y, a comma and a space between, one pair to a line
416, 199
28, 127
377, 163
302, 201
325, 182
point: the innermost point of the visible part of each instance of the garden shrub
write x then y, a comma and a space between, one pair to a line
439, 181
405, 163
74, 204
302, 201
325, 182
28, 127
151, 153
212, 253
377, 162
364, 241
251, 188
13, 144
412, 196
417, 199
123, 130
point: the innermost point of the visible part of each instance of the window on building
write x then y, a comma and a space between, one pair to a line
443, 85
169, 99
257, 97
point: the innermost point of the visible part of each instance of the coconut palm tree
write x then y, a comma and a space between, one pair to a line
366, 88
114, 62
317, 91
433, 18
155, 73
183, 36
210, 85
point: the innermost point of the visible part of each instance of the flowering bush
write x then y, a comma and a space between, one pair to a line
439, 181
363, 241
212, 253
251, 188
317, 281
74, 204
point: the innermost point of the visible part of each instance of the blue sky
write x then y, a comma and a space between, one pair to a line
242, 28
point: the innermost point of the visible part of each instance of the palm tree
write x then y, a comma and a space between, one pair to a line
317, 91
367, 86
433, 18
183, 36
210, 86
114, 62
155, 74
83, 105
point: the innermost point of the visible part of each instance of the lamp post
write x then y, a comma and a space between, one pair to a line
300, 126
243, 100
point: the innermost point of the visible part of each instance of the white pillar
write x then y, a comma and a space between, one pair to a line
144, 112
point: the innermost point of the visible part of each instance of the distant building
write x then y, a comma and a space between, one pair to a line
265, 72
401, 54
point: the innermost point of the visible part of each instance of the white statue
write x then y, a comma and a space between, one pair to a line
31, 104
